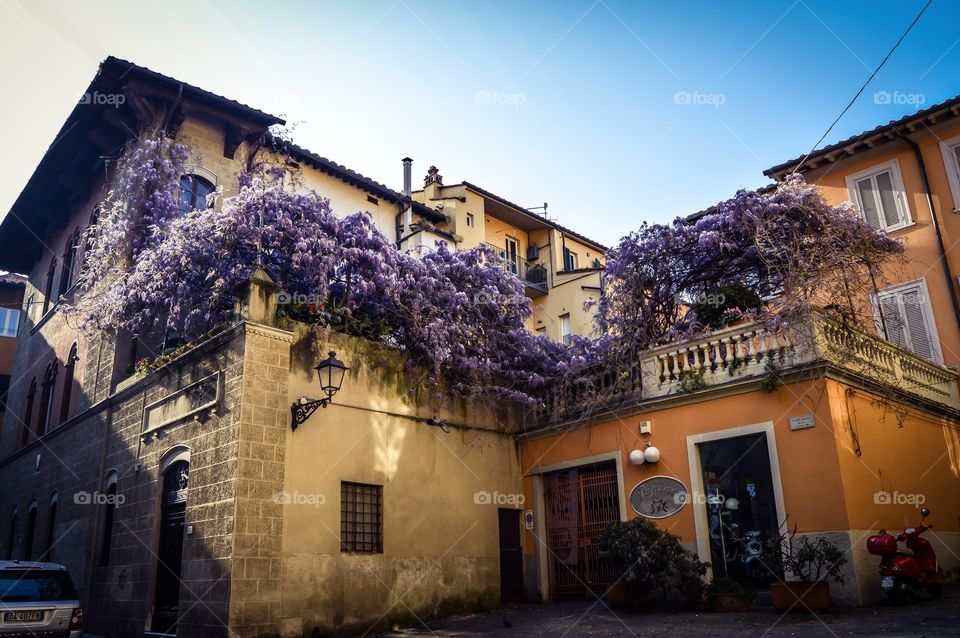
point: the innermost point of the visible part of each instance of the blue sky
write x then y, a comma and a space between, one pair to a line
613, 112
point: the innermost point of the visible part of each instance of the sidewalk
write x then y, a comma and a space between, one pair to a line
574, 620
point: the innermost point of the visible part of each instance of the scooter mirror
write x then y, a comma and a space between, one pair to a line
924, 512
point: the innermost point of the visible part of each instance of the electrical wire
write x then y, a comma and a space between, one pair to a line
863, 87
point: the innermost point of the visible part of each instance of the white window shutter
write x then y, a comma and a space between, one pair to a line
888, 199
956, 159
868, 202
893, 320
915, 320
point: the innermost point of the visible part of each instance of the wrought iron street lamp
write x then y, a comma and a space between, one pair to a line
330, 371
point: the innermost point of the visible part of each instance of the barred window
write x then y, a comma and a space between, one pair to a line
361, 517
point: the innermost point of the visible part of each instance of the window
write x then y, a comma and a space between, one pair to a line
9, 322
12, 534
28, 412
48, 287
109, 509
46, 398
193, 193
470, 220
565, 329
569, 259
903, 314
878, 193
950, 149
51, 529
37, 586
4, 388
68, 368
69, 263
31, 531
361, 518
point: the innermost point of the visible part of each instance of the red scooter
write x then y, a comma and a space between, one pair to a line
901, 575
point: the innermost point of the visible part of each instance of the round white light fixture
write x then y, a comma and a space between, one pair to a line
637, 457
651, 454
732, 504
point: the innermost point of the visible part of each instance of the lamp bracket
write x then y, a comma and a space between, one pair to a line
301, 410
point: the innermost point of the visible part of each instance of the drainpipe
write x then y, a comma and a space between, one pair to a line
936, 224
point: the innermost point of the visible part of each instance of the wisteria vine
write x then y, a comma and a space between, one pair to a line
456, 315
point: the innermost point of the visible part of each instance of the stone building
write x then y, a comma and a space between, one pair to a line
182, 499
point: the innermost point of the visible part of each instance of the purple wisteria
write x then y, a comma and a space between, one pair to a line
458, 317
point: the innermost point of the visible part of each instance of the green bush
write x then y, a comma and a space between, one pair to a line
725, 304
653, 564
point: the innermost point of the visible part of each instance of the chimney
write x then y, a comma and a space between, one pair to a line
405, 220
407, 179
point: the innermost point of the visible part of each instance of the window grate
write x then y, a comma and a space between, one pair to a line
361, 518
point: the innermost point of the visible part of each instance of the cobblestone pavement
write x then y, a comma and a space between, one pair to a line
575, 620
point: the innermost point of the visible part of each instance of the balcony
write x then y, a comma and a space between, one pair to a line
533, 276
751, 353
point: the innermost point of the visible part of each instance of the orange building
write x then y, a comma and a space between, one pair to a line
859, 433
11, 298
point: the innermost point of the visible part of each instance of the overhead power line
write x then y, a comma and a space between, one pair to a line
864, 86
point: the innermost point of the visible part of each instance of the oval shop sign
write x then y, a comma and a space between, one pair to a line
658, 497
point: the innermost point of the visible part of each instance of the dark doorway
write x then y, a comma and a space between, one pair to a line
173, 510
511, 557
741, 508
580, 503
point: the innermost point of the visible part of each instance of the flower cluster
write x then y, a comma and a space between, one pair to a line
458, 317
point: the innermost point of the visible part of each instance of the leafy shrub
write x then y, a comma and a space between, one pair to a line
653, 564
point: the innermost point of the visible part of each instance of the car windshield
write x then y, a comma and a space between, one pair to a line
35, 585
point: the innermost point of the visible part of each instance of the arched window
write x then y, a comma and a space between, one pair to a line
46, 398
51, 528
12, 533
48, 286
69, 262
68, 371
31, 530
28, 413
109, 510
193, 193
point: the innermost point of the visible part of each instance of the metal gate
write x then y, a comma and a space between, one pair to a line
580, 503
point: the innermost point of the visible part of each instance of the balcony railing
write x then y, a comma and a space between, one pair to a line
751, 352
533, 276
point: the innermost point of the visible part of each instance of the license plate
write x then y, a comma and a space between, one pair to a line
22, 616
886, 582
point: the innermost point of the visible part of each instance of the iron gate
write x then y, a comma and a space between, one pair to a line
580, 503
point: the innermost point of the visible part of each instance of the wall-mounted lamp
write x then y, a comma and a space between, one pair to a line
648, 454
330, 371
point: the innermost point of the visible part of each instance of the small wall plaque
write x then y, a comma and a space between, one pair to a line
528, 519
801, 422
658, 497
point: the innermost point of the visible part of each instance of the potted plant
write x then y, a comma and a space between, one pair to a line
724, 594
651, 565
809, 565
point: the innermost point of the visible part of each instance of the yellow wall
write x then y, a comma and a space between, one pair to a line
441, 548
